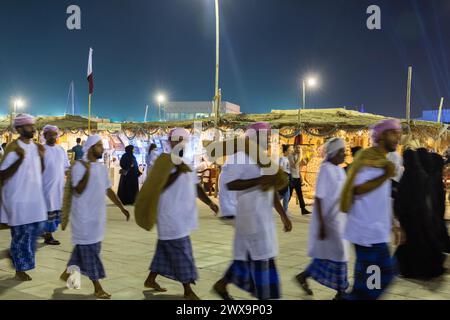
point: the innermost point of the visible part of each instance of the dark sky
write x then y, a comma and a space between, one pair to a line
143, 46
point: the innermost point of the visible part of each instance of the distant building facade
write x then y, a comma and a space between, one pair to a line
432, 115
189, 110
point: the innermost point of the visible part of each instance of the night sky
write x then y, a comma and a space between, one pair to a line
145, 46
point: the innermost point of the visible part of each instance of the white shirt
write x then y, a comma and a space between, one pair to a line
284, 164
295, 170
397, 160
370, 218
56, 164
22, 195
330, 182
177, 208
255, 233
88, 216
227, 198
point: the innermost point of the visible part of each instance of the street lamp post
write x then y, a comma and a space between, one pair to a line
16, 103
308, 82
217, 93
160, 99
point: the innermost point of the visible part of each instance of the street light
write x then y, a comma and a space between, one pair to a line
160, 98
308, 82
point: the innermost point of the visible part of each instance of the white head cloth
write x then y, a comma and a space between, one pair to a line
333, 146
90, 142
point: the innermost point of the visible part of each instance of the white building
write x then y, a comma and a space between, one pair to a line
196, 109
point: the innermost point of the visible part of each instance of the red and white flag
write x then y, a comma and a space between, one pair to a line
90, 73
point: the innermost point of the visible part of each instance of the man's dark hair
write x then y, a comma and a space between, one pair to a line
4, 144
285, 147
78, 140
355, 150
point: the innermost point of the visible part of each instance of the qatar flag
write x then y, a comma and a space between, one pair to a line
90, 74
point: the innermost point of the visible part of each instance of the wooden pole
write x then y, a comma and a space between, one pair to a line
440, 110
89, 114
408, 96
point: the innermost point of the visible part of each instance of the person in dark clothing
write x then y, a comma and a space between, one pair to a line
129, 177
295, 161
420, 256
438, 199
354, 150
78, 150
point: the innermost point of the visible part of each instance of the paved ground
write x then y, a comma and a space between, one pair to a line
127, 252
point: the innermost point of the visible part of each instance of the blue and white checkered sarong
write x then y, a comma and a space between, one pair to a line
23, 245
87, 258
329, 273
258, 277
377, 255
174, 260
54, 220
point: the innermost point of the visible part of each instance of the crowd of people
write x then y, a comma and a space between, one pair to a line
378, 195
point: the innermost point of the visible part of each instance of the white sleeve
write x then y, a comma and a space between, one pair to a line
323, 183
10, 159
234, 172
66, 160
108, 183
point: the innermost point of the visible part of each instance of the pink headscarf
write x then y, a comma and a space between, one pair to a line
382, 126
23, 120
178, 133
256, 127
50, 128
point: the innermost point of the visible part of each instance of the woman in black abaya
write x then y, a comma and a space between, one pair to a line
129, 178
420, 257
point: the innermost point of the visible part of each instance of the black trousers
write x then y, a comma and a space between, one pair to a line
296, 184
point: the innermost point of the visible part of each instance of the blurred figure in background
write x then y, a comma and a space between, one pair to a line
78, 150
129, 177
56, 165
295, 160
326, 244
354, 151
285, 194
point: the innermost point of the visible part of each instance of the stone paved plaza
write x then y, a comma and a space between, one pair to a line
127, 251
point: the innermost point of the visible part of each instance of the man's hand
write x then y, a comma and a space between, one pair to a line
399, 236
214, 207
126, 213
287, 224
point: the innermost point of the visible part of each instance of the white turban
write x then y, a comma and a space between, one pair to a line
333, 146
90, 142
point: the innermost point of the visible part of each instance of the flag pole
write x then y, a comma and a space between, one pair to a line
89, 114
440, 110
408, 96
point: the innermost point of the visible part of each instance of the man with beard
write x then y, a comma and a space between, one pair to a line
56, 164
366, 198
90, 182
23, 204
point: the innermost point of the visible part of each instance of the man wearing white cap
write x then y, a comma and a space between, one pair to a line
23, 204
326, 245
90, 183
255, 240
177, 218
56, 164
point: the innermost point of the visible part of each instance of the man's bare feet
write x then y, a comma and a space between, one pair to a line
221, 290
154, 285
22, 276
101, 294
191, 296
